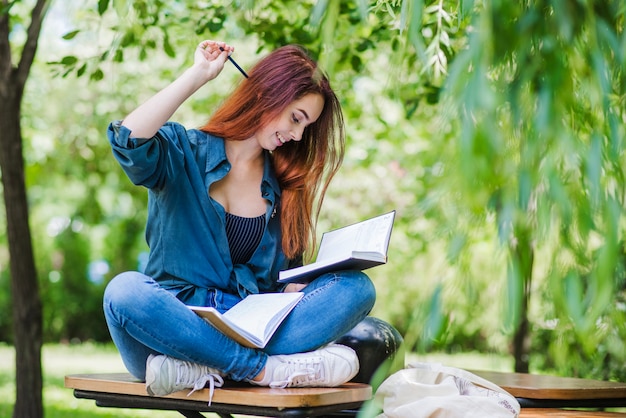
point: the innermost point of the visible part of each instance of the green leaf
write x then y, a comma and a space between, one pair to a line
81, 70
436, 319
466, 8
103, 5
215, 25
5, 8
318, 12
69, 60
122, 7
97, 75
514, 297
71, 35
167, 46
362, 6
524, 189
455, 246
594, 168
574, 298
356, 63
127, 39
415, 24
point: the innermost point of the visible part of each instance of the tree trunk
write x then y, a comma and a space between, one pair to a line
523, 257
521, 340
27, 310
27, 317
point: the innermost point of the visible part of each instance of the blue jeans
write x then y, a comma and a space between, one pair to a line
145, 318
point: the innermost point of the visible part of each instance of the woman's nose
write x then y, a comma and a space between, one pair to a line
296, 134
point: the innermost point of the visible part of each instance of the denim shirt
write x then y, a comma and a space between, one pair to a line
185, 230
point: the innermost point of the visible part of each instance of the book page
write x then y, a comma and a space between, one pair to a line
252, 321
371, 235
358, 246
257, 314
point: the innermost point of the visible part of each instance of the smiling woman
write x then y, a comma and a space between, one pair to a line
291, 123
232, 204
282, 97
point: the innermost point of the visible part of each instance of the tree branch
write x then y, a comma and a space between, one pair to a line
30, 47
5, 47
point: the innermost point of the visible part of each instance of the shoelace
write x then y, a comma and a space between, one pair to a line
299, 373
213, 379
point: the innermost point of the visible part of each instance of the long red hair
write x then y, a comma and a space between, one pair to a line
304, 168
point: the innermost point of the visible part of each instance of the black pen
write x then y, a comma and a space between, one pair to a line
235, 64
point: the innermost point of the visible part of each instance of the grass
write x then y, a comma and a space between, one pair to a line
60, 360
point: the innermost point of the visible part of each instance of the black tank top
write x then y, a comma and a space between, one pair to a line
244, 235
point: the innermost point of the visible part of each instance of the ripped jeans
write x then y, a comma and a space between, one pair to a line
145, 318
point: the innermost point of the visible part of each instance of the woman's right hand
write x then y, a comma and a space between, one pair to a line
210, 57
146, 119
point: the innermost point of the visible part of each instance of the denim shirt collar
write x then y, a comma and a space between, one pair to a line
216, 156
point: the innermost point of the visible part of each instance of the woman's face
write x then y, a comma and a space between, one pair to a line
290, 124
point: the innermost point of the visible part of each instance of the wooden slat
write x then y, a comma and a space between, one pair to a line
560, 413
233, 394
535, 386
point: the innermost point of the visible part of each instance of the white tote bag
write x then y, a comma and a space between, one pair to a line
429, 390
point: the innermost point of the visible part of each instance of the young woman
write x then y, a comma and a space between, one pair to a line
230, 205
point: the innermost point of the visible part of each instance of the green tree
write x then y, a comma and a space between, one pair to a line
479, 121
24, 286
537, 101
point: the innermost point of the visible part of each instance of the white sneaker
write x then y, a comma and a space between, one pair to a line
165, 375
329, 366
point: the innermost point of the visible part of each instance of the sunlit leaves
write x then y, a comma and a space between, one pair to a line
482, 121
532, 92
438, 23
427, 323
212, 20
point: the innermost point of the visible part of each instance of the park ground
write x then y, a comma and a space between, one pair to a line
62, 359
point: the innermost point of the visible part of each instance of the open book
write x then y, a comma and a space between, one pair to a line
252, 321
353, 247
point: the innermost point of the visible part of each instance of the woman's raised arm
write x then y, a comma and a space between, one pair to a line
209, 59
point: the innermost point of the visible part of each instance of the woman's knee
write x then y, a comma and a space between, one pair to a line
124, 288
368, 289
359, 287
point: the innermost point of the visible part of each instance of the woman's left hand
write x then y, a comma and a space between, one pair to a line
294, 287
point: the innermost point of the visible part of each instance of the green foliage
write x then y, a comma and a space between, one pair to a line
495, 129
540, 144
58, 361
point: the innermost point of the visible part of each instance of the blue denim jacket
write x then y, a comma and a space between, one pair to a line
185, 231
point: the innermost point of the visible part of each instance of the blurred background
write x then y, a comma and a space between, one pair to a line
495, 130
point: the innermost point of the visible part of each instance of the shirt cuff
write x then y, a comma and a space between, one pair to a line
121, 136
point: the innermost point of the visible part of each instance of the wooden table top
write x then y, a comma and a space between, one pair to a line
536, 386
520, 385
234, 394
560, 413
